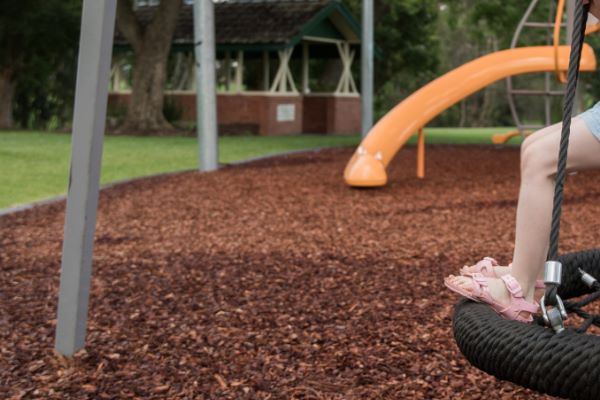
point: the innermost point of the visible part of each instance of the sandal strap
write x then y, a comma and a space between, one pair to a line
491, 260
486, 265
517, 301
512, 285
481, 284
480, 279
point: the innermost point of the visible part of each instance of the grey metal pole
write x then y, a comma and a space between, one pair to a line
206, 95
95, 49
367, 66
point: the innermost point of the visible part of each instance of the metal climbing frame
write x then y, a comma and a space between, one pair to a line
547, 92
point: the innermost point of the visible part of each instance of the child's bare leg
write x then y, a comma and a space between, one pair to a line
501, 270
534, 211
538, 166
535, 137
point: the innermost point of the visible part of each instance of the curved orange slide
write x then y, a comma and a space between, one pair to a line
367, 167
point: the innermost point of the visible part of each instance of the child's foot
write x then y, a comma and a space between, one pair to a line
489, 267
504, 294
486, 267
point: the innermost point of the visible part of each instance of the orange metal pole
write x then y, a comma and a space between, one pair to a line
561, 75
421, 155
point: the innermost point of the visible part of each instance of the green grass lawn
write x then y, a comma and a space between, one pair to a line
34, 165
464, 135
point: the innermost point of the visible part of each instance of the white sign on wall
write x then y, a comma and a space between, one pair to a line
286, 112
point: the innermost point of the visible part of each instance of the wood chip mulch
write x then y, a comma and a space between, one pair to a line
273, 280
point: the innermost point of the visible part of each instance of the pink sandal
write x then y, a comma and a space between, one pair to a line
481, 294
486, 266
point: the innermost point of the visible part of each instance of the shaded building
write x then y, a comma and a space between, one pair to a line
283, 67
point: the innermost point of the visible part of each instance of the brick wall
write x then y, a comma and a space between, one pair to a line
338, 115
262, 114
262, 111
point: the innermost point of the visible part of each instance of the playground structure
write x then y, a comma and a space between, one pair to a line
367, 167
276, 301
552, 27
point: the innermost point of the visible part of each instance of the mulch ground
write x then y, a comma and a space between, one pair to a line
273, 280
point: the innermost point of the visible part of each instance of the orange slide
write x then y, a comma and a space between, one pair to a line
367, 167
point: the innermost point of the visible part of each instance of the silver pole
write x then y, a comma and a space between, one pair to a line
367, 67
93, 74
206, 95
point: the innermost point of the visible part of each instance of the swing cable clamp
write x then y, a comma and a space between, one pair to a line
587, 279
554, 316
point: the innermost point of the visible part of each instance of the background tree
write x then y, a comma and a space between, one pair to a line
151, 44
38, 41
468, 29
405, 32
419, 39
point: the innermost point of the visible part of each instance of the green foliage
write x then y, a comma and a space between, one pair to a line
419, 40
45, 93
498, 18
405, 32
468, 29
38, 43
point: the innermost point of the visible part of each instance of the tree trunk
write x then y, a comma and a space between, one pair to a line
151, 45
145, 110
7, 91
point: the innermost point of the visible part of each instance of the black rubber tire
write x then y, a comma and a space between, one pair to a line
566, 365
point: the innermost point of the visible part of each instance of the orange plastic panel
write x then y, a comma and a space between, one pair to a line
502, 138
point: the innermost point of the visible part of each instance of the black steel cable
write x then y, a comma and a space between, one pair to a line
581, 14
573, 76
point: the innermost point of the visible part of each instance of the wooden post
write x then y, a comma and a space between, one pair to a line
283, 77
290, 78
266, 71
239, 72
227, 71
421, 155
89, 116
284, 82
346, 84
305, 69
116, 79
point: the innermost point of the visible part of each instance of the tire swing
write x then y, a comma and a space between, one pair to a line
563, 362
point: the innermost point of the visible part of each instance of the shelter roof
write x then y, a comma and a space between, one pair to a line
265, 24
